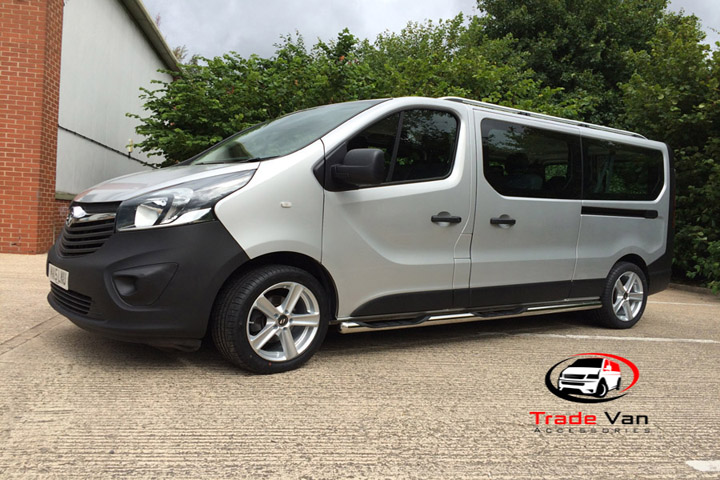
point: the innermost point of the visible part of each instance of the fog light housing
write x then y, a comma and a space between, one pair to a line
142, 286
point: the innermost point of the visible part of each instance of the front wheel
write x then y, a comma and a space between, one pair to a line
271, 320
601, 390
624, 297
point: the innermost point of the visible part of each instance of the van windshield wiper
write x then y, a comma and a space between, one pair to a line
260, 159
236, 160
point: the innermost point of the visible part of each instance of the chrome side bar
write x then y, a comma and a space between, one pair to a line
358, 326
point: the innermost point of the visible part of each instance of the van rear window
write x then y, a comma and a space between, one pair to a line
615, 171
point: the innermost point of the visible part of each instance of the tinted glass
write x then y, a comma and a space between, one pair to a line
530, 162
381, 136
283, 135
615, 171
588, 363
424, 149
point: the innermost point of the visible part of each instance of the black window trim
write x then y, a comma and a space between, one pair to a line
396, 146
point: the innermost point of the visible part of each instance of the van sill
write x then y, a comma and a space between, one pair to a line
358, 326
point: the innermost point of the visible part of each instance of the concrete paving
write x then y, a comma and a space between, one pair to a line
436, 402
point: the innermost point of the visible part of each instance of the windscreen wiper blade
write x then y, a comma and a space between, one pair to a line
236, 160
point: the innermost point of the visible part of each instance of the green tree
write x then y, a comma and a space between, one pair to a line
452, 59
210, 100
578, 45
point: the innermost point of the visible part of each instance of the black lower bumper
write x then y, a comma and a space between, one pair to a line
659, 273
154, 286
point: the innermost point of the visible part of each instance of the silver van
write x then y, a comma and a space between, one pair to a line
370, 215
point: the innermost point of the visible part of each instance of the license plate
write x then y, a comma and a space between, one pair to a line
58, 276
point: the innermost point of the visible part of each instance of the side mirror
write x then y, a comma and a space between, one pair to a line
362, 166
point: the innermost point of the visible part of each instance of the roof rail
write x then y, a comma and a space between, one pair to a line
541, 116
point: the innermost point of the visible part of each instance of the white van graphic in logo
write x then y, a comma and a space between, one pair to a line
591, 376
587, 375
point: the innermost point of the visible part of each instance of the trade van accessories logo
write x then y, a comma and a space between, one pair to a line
590, 377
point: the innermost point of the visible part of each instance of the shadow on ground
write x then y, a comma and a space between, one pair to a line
90, 347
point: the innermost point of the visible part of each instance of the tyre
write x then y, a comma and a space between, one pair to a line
270, 320
602, 389
617, 387
624, 297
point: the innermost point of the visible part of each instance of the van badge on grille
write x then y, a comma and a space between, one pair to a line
76, 213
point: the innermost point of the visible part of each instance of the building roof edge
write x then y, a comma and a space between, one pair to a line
152, 33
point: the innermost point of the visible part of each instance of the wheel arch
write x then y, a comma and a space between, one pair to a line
635, 260
292, 259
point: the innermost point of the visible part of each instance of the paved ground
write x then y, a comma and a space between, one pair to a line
440, 402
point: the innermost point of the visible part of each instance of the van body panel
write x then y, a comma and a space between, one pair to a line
282, 197
604, 239
380, 241
612, 229
540, 248
660, 271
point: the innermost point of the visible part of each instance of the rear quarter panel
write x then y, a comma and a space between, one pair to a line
603, 240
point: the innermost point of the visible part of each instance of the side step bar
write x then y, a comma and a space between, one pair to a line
357, 326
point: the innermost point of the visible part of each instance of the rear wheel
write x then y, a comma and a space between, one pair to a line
624, 297
271, 320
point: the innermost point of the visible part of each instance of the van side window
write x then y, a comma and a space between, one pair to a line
615, 171
418, 145
525, 161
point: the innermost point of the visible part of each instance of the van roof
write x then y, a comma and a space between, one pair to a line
515, 111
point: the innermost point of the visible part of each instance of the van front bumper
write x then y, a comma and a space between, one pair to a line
154, 286
588, 387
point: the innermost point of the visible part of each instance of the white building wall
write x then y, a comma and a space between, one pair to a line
106, 58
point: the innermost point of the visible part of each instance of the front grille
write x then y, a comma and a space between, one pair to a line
73, 301
87, 229
571, 375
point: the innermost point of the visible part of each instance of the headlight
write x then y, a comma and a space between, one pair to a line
594, 376
189, 202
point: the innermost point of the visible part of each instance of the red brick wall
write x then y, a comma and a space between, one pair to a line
59, 212
30, 41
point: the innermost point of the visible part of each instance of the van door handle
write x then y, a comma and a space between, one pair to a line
444, 217
502, 221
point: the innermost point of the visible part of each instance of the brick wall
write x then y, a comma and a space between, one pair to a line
30, 44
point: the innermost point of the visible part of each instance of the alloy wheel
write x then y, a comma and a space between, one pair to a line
283, 321
628, 296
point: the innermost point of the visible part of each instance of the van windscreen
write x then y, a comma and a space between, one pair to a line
588, 363
283, 135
